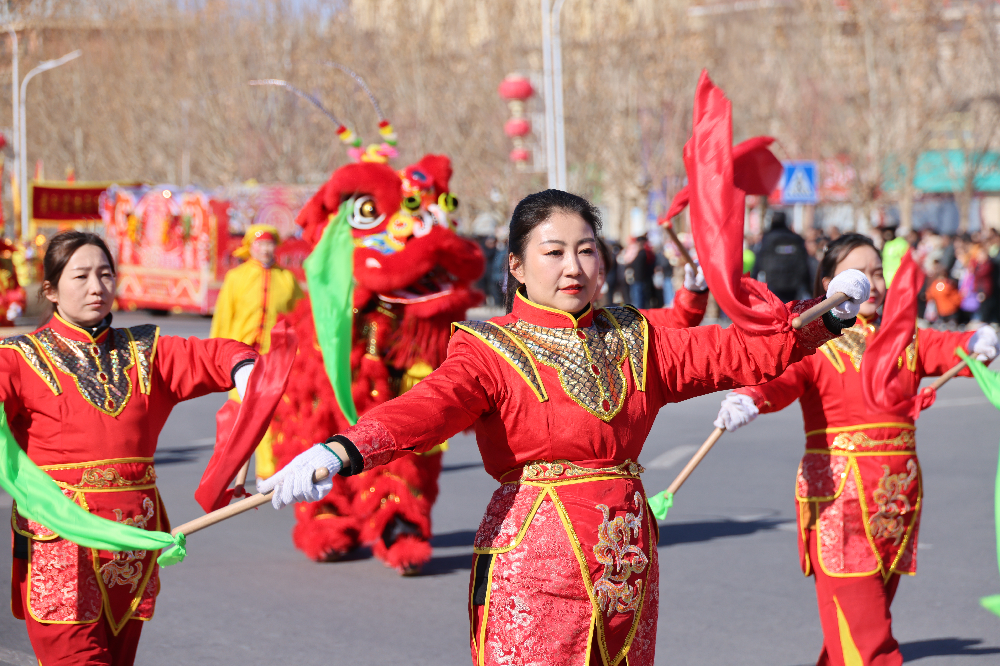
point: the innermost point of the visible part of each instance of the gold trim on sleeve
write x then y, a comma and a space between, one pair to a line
28, 348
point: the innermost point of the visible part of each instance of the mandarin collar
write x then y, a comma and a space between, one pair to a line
78, 333
868, 323
540, 315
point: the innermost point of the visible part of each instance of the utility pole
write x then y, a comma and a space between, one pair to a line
557, 82
15, 120
550, 123
22, 144
555, 136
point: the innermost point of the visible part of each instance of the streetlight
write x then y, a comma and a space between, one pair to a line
23, 143
555, 140
558, 84
15, 119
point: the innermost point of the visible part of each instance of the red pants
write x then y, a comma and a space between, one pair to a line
78, 644
854, 612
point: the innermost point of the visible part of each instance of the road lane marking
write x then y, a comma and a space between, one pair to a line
17, 658
672, 457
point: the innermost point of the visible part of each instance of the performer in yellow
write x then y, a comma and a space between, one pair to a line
252, 296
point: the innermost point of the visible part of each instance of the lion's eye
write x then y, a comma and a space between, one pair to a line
365, 214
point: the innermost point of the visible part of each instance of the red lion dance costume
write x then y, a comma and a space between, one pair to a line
412, 279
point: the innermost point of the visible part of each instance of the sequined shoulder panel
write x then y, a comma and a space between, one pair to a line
26, 346
100, 371
852, 343
588, 361
143, 340
635, 329
510, 349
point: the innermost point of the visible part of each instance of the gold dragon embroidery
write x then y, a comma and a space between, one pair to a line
125, 568
558, 469
893, 504
110, 478
621, 559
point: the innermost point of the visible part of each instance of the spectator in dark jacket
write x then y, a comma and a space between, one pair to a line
641, 262
782, 262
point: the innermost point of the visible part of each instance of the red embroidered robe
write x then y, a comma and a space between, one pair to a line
566, 552
89, 412
859, 481
688, 310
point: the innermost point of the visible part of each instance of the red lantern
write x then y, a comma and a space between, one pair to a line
517, 127
520, 155
516, 88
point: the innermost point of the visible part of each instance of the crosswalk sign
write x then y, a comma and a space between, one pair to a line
800, 182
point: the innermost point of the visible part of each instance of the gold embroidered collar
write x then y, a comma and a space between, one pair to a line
588, 361
98, 366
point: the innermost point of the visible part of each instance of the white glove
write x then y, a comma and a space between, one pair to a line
13, 312
293, 482
694, 281
241, 378
984, 343
853, 283
737, 410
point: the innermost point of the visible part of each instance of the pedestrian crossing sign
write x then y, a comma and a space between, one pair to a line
800, 182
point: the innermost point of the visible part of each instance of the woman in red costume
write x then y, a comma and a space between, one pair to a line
858, 486
562, 398
87, 403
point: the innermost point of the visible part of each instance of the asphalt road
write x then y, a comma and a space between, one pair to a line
731, 588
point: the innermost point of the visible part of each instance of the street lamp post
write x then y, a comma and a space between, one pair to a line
555, 140
15, 118
550, 123
22, 143
557, 83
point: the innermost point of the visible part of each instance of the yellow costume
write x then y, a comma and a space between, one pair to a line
249, 303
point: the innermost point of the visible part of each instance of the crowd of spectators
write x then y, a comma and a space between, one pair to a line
643, 275
963, 270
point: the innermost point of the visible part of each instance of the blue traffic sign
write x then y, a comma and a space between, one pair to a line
800, 182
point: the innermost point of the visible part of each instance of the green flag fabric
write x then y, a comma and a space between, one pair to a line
892, 257
989, 383
329, 272
660, 503
40, 499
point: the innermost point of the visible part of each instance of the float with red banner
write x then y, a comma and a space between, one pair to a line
174, 246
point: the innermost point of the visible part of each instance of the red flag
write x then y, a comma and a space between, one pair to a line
241, 428
717, 211
755, 171
886, 385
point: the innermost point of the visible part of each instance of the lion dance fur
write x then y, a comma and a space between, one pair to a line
413, 277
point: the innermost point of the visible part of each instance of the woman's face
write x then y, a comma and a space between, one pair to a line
561, 263
866, 260
86, 288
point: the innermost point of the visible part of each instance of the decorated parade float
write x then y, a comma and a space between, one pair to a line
174, 246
